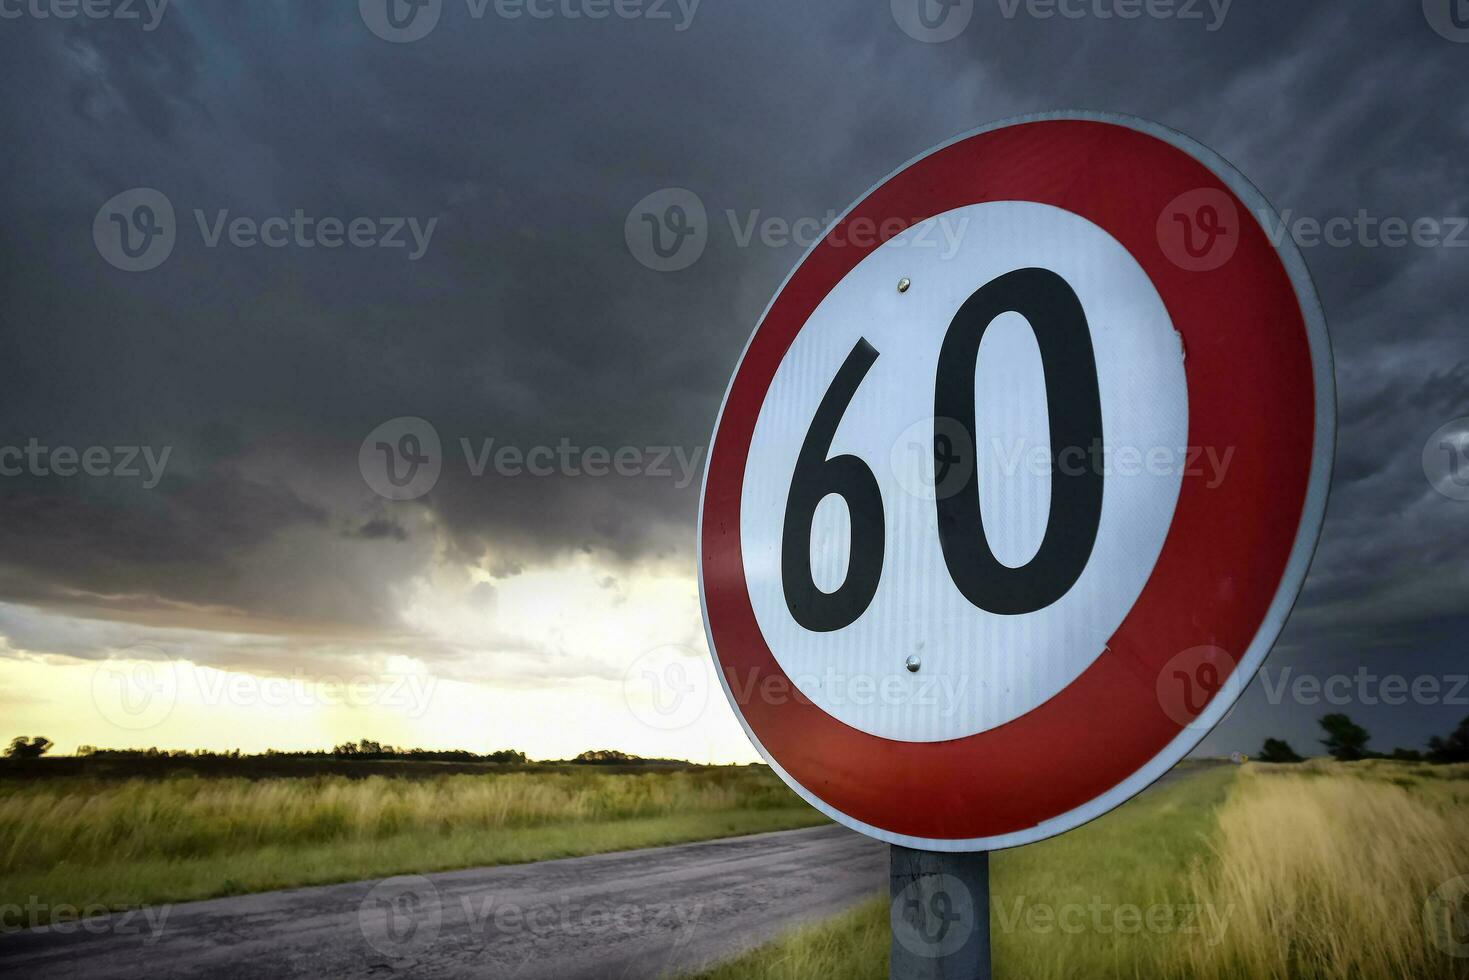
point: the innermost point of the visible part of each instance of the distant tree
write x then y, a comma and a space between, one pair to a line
605, 757
29, 748
1278, 750
1345, 739
368, 749
1455, 748
365, 747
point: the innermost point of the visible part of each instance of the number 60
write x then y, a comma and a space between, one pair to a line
1074, 405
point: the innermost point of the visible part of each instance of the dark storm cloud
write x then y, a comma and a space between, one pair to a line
527, 321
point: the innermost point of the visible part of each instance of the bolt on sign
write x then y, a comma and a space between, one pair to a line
992, 534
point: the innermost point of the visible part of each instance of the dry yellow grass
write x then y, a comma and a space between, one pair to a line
142, 841
1318, 871
87, 821
1325, 868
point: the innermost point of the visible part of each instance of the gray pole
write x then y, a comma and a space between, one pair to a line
940, 915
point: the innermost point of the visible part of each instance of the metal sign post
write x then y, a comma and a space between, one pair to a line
940, 914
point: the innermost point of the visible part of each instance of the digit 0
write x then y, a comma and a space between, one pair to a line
1074, 405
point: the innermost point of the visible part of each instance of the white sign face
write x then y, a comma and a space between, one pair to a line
978, 668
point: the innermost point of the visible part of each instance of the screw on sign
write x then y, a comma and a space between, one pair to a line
1051, 553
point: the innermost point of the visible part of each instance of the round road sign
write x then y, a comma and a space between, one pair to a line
1016, 481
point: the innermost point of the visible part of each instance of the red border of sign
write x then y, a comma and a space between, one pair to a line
1249, 369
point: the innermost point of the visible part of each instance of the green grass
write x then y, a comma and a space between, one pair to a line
851, 946
136, 842
1140, 855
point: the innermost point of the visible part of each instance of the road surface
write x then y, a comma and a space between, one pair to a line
627, 914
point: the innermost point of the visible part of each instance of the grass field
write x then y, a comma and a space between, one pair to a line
84, 842
1314, 871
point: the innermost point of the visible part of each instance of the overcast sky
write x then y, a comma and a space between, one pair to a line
505, 154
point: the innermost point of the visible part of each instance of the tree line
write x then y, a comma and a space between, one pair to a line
1346, 741
365, 749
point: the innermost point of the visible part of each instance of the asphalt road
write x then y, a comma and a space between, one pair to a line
628, 914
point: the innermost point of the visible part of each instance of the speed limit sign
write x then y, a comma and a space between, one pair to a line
1016, 481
